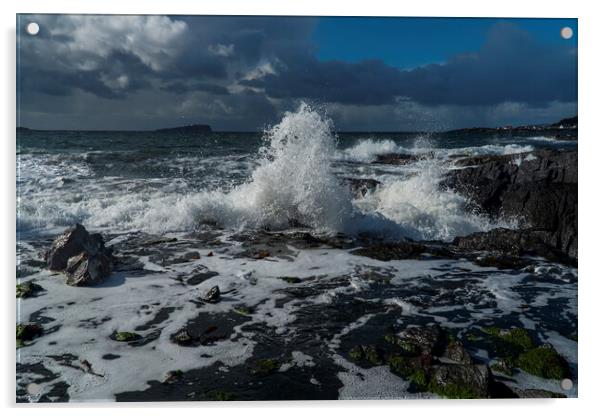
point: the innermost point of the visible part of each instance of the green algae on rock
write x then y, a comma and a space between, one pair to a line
126, 336
27, 332
544, 362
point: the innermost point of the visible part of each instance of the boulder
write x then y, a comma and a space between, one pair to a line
538, 189
456, 352
213, 295
460, 381
427, 339
82, 256
86, 269
508, 245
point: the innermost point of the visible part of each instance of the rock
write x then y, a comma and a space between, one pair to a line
173, 376
264, 366
538, 394
501, 261
460, 381
81, 255
400, 158
28, 289
213, 296
27, 332
540, 191
503, 366
424, 340
456, 352
508, 245
85, 269
361, 186
182, 337
544, 362
369, 353
391, 251
125, 336
291, 280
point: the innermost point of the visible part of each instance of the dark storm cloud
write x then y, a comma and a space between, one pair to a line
243, 72
183, 88
510, 66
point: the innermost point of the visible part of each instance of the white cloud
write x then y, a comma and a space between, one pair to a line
222, 50
90, 39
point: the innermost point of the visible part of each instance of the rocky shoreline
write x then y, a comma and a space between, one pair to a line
320, 334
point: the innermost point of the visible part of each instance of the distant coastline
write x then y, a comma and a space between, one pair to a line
566, 126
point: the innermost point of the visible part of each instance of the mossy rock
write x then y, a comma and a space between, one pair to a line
28, 289
126, 336
264, 366
391, 339
243, 310
368, 353
27, 332
220, 395
453, 391
544, 362
409, 368
356, 353
516, 340
373, 355
503, 366
291, 280
458, 381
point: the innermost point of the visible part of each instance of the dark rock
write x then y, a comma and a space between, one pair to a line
538, 394
173, 376
264, 366
28, 289
213, 296
505, 246
541, 192
199, 278
460, 381
425, 340
501, 261
183, 337
399, 158
85, 269
81, 255
361, 186
391, 251
455, 351
27, 332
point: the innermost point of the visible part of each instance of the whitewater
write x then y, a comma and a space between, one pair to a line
291, 175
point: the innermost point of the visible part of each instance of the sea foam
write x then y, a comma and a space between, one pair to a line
291, 182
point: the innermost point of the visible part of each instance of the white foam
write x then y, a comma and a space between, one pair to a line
293, 179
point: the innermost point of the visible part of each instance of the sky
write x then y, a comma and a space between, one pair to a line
241, 73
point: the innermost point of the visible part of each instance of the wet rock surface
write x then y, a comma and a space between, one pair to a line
539, 188
427, 314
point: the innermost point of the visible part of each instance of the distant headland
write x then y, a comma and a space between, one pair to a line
190, 129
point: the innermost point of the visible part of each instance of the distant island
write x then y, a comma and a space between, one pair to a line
190, 129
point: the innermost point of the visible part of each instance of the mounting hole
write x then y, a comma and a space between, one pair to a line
32, 28
34, 389
566, 384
